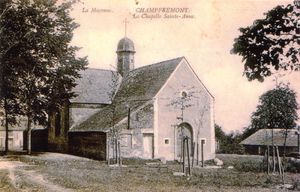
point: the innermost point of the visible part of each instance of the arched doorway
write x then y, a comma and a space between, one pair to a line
182, 131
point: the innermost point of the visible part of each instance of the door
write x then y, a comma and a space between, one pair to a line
11, 143
148, 146
184, 130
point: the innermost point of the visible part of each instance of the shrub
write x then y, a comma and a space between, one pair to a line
249, 166
293, 165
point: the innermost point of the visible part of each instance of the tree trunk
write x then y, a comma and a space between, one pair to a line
6, 126
29, 120
273, 152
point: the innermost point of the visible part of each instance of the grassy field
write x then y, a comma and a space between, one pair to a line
59, 172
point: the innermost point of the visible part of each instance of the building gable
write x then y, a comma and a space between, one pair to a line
189, 74
197, 112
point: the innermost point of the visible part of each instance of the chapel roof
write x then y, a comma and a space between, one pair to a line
137, 89
143, 83
95, 86
264, 137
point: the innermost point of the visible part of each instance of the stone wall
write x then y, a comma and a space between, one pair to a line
131, 138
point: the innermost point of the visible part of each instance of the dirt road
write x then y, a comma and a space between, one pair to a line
22, 178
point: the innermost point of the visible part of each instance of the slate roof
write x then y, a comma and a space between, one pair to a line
143, 83
264, 137
94, 86
136, 89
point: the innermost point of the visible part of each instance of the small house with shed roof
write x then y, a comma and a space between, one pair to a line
257, 143
148, 110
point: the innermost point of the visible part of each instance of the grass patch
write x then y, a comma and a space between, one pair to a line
90, 175
243, 163
292, 165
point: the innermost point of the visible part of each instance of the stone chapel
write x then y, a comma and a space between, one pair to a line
148, 110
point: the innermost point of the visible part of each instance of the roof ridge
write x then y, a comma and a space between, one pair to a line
91, 68
145, 66
264, 129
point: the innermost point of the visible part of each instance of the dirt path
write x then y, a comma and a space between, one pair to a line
24, 180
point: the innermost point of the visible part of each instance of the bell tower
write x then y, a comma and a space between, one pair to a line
125, 53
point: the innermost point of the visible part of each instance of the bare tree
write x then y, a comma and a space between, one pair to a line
183, 101
114, 131
199, 121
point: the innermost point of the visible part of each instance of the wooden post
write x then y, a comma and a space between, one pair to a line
183, 155
265, 156
197, 154
108, 147
273, 160
278, 160
193, 152
282, 170
281, 167
116, 148
113, 150
188, 156
202, 153
268, 160
119, 149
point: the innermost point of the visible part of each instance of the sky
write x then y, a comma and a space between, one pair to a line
204, 37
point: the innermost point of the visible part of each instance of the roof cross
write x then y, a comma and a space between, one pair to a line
126, 21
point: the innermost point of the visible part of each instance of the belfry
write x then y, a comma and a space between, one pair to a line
125, 53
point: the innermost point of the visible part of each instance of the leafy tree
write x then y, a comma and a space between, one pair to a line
228, 143
277, 109
39, 64
270, 44
220, 136
247, 131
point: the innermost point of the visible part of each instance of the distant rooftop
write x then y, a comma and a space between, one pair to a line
264, 137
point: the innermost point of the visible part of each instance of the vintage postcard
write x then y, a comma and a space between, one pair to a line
175, 96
